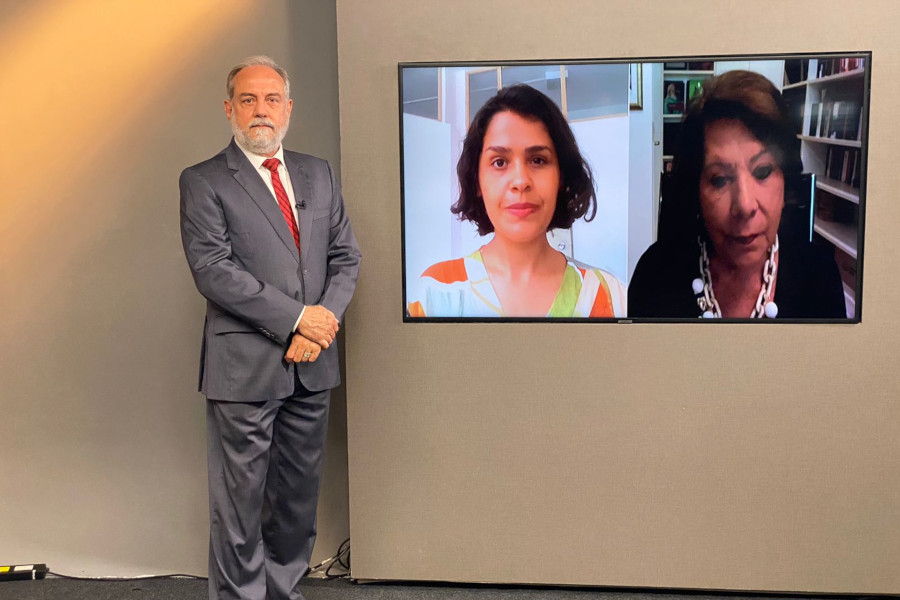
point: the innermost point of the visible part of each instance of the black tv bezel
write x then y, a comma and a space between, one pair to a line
864, 151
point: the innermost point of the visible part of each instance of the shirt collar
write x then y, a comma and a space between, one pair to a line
256, 160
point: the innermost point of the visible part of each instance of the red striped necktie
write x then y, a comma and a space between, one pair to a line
283, 203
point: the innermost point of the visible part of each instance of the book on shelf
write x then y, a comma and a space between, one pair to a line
846, 267
834, 66
843, 164
825, 122
815, 116
796, 70
835, 119
844, 124
794, 102
832, 160
835, 210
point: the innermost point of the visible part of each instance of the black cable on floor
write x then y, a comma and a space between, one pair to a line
139, 578
341, 558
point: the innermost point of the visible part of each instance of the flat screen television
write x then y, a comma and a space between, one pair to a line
701, 189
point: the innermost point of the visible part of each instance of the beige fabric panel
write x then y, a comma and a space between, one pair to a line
102, 431
726, 457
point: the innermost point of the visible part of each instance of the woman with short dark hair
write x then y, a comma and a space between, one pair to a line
520, 175
737, 161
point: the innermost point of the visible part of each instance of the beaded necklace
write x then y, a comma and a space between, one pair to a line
706, 298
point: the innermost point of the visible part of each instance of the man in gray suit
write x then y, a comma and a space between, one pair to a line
270, 247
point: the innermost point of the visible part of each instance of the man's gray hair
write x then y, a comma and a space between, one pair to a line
254, 61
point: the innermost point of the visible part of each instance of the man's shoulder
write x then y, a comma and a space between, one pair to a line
307, 160
210, 165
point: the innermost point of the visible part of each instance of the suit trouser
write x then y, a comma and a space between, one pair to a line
264, 464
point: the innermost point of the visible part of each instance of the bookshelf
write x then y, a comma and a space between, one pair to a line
828, 100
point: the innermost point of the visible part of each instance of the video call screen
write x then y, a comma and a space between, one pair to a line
698, 189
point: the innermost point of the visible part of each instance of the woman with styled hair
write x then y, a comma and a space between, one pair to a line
737, 161
520, 175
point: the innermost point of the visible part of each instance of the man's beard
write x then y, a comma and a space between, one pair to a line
259, 140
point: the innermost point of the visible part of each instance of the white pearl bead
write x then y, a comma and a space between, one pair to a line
771, 310
707, 314
697, 284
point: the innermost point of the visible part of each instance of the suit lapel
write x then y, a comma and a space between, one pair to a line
252, 182
302, 196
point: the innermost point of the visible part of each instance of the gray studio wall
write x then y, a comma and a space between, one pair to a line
102, 434
723, 457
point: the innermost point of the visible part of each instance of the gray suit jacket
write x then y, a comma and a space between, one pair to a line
245, 263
